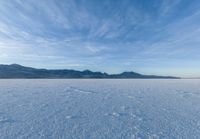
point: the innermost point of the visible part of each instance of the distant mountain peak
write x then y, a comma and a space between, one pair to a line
130, 72
16, 65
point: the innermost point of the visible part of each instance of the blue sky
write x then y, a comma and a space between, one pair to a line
147, 36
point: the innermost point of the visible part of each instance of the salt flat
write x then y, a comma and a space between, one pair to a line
99, 109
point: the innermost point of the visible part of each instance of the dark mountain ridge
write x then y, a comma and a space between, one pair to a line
18, 71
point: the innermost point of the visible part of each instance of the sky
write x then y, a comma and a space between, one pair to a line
159, 37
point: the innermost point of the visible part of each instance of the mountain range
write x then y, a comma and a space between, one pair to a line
18, 71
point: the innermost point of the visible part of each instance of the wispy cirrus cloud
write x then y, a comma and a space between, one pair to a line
99, 34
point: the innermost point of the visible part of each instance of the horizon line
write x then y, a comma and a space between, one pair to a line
104, 72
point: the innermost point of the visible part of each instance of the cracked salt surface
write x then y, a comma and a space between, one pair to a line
99, 109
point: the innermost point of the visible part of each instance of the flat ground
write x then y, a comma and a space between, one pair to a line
99, 109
